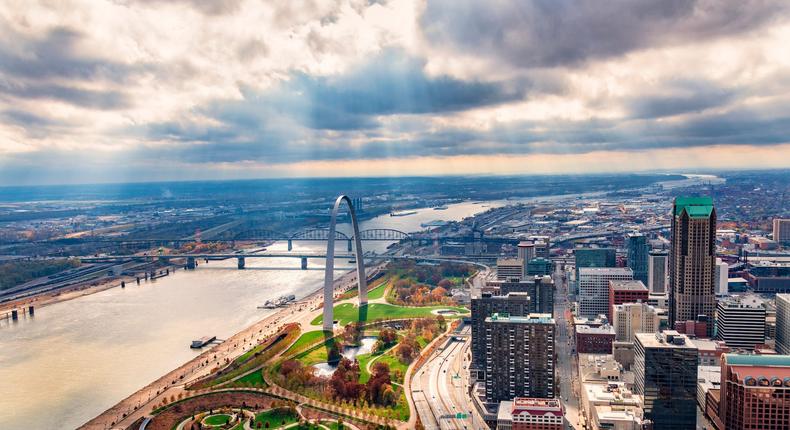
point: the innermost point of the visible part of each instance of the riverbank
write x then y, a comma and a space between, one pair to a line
171, 385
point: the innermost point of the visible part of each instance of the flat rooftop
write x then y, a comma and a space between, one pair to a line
529, 319
627, 285
656, 340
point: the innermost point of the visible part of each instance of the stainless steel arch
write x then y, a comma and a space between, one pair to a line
329, 280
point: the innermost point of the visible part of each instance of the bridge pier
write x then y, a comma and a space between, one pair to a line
290, 244
14, 315
349, 245
191, 263
31, 310
241, 263
304, 263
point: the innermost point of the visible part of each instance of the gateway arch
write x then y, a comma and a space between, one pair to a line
330, 263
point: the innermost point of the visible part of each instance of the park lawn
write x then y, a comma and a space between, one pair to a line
333, 425
348, 312
216, 420
395, 364
304, 341
255, 379
378, 292
275, 417
316, 354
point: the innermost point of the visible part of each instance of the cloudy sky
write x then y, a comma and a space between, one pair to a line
137, 90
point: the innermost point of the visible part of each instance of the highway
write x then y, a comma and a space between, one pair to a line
440, 388
566, 352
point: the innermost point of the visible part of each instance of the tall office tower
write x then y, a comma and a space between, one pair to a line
692, 260
782, 230
755, 392
637, 255
519, 357
594, 288
538, 267
516, 304
721, 276
665, 370
526, 252
507, 268
631, 318
593, 257
783, 323
740, 323
657, 271
631, 291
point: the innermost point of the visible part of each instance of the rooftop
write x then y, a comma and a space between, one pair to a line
604, 271
604, 329
758, 360
627, 285
529, 319
695, 207
664, 340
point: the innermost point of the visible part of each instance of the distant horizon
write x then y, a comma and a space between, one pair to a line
481, 175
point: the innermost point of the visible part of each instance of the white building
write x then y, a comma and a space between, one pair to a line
594, 288
631, 318
721, 276
740, 322
707, 377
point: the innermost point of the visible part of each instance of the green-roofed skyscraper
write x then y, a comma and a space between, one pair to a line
692, 262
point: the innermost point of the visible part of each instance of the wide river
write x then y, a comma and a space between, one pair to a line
77, 358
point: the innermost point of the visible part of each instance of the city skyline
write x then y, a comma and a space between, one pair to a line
100, 91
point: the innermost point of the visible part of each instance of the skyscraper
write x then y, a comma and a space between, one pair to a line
637, 255
519, 357
593, 257
594, 288
665, 370
657, 268
516, 304
692, 261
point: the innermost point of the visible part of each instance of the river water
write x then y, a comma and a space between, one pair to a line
77, 358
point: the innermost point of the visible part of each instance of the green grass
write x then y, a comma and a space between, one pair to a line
378, 292
364, 359
316, 354
305, 340
348, 312
333, 425
216, 420
255, 379
275, 418
395, 364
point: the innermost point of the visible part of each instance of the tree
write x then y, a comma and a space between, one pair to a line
388, 335
445, 283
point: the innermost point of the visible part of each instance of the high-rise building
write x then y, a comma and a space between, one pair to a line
755, 392
539, 288
519, 357
783, 323
721, 276
593, 257
594, 288
665, 375
539, 267
629, 291
507, 268
516, 304
530, 414
781, 230
629, 319
740, 323
657, 271
637, 255
526, 252
692, 260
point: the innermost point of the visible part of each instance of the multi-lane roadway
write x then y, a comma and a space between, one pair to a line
566, 352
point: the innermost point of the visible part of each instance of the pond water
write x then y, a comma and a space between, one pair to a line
350, 352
